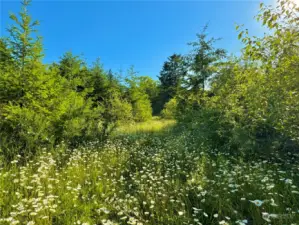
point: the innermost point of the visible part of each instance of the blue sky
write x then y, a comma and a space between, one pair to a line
139, 33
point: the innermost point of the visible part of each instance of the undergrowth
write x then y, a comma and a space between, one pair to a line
150, 178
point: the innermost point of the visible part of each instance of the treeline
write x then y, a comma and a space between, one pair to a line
69, 101
246, 103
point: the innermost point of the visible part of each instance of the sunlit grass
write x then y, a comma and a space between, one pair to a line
154, 125
154, 179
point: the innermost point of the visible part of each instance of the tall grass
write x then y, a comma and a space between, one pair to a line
152, 126
152, 179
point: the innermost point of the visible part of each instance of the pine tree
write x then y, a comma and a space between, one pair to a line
202, 59
26, 51
172, 74
139, 99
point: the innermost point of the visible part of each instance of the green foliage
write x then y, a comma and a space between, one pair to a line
202, 60
171, 78
6, 60
232, 158
170, 109
149, 86
44, 105
148, 175
172, 74
26, 47
256, 95
142, 110
108, 94
139, 97
74, 69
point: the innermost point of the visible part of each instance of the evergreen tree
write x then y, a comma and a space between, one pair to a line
139, 99
25, 48
202, 59
8, 85
172, 74
75, 70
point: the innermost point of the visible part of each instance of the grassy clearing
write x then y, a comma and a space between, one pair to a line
153, 126
152, 179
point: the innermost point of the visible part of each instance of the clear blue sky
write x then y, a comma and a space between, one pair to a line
139, 33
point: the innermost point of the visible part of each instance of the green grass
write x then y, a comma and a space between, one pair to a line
152, 126
152, 179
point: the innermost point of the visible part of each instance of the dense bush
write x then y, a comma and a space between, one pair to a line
170, 108
255, 96
43, 105
139, 95
247, 103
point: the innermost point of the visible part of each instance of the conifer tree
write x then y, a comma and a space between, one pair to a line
26, 50
139, 99
201, 60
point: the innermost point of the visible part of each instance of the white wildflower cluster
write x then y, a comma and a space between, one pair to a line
149, 180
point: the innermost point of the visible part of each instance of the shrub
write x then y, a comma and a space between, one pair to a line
169, 111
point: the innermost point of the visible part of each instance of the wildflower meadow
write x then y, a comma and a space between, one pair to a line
149, 178
213, 139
